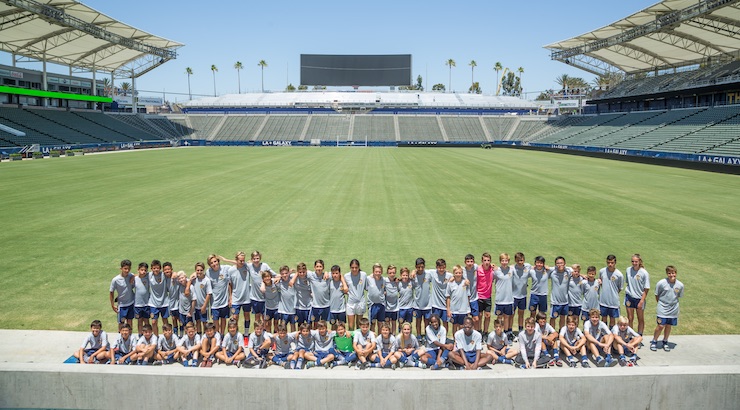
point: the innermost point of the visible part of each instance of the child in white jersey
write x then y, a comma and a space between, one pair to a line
94, 348
573, 342
626, 342
499, 345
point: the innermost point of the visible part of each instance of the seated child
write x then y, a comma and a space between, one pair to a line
167, 345
438, 347
468, 345
385, 348
124, 348
232, 345
189, 346
146, 346
259, 346
209, 345
283, 352
97, 340
573, 342
626, 341
343, 348
304, 344
598, 338
530, 347
363, 343
408, 348
550, 339
323, 354
499, 345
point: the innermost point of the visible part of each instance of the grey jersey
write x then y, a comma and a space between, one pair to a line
468, 343
305, 342
498, 342
439, 335
504, 285
185, 303
173, 294
571, 337
590, 292
219, 285
272, 296
539, 281
612, 283
597, 331
158, 285
637, 282
187, 342
143, 341
287, 297
411, 342
323, 343
255, 278
459, 294
560, 285
201, 289
95, 342
336, 297
439, 286
530, 345
520, 279
126, 346
141, 291
232, 343
165, 344
302, 293
391, 295
376, 290
627, 335
125, 289
255, 341
668, 295
240, 285
546, 330
363, 339
472, 277
283, 346
320, 293
356, 285
385, 345
422, 293
405, 295
575, 295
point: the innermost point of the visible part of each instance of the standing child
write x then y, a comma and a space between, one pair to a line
590, 289
626, 341
94, 348
123, 285
612, 282
220, 277
635, 296
522, 271
189, 346
538, 297
385, 349
141, 297
530, 346
667, 293
468, 346
158, 300
286, 306
210, 344
408, 348
499, 345
363, 343
240, 290
376, 297
421, 279
302, 294
457, 297
173, 296
124, 348
575, 295
573, 342
356, 281
337, 303
484, 278
259, 346
560, 281
146, 346
471, 275
255, 269
201, 296
232, 345
272, 300
405, 297
320, 293
167, 346
504, 278
185, 300
392, 295
598, 338
549, 339
439, 288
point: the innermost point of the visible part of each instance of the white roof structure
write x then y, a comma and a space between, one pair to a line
69, 33
669, 34
356, 99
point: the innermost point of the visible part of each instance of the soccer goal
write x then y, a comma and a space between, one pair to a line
345, 143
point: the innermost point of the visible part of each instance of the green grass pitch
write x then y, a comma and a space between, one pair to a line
68, 222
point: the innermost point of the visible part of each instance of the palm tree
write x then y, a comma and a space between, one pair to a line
520, 70
238, 65
563, 81
472, 65
450, 63
214, 69
125, 87
497, 67
262, 64
189, 72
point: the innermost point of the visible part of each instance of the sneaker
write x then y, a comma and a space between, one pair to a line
435, 366
364, 366
393, 366
193, 363
654, 346
238, 364
600, 361
332, 364
185, 363
585, 364
558, 363
263, 364
209, 363
286, 365
608, 361
157, 363
358, 366
422, 365
327, 365
310, 364
551, 363
629, 363
401, 364
666, 347
623, 362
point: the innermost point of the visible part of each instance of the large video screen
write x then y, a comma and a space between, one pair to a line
356, 70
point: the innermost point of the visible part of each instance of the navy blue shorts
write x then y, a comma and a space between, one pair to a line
610, 312
246, 308
377, 312
474, 308
319, 314
301, 316
320, 355
469, 356
507, 310
119, 355
286, 318
631, 303
185, 319
458, 318
335, 318
270, 314
125, 312
220, 313
258, 307
574, 311
141, 312
391, 315
662, 321
538, 302
200, 317
280, 358
423, 313
559, 310
156, 312
406, 315
520, 303
442, 313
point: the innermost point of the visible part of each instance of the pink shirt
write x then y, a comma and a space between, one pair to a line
485, 281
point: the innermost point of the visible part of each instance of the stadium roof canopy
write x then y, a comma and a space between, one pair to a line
69, 33
667, 35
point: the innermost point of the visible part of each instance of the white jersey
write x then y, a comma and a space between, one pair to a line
611, 284
143, 341
530, 345
571, 337
364, 339
597, 331
125, 346
668, 295
95, 342
468, 343
385, 345
187, 342
411, 342
256, 341
233, 343
626, 335
440, 336
165, 344
637, 282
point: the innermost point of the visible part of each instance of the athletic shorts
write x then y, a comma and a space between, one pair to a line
631, 303
321, 355
474, 311
319, 314
185, 319
141, 312
270, 314
484, 305
610, 312
507, 310
286, 318
406, 315
246, 308
200, 317
119, 355
469, 356
377, 312
258, 306
281, 358
356, 308
459, 318
156, 312
220, 313
667, 321
335, 318
423, 313
442, 313
301, 316
559, 310
574, 311
520, 303
538, 302
125, 312
391, 315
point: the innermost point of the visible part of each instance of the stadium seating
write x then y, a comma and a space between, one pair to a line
205, 125
671, 123
374, 127
328, 127
240, 128
282, 127
109, 122
419, 128
499, 127
463, 128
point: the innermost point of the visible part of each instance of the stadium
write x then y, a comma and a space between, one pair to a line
330, 172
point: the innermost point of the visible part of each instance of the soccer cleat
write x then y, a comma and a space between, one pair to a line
666, 347
654, 346
558, 362
629, 363
364, 365
608, 361
623, 362
393, 366
401, 364
585, 364
358, 366
286, 366
600, 361
157, 363
551, 363
422, 365
327, 365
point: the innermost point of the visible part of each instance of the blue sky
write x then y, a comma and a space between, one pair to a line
223, 32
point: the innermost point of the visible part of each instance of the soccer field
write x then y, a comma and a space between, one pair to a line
68, 222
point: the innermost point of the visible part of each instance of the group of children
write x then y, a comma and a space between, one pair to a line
314, 300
